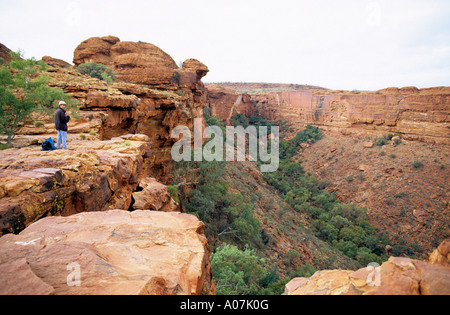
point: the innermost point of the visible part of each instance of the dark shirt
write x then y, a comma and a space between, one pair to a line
61, 120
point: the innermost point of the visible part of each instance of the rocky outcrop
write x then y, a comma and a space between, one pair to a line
108, 253
398, 276
412, 113
140, 63
55, 62
153, 195
90, 176
225, 103
151, 96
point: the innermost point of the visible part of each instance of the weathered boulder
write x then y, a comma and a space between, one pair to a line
398, 276
195, 66
97, 49
140, 63
441, 256
153, 196
108, 253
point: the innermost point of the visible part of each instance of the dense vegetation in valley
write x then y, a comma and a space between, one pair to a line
236, 235
345, 226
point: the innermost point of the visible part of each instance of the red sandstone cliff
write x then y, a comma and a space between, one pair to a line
415, 114
151, 95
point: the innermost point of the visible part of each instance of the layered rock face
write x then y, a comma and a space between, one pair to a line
93, 176
398, 276
151, 96
225, 103
108, 253
414, 114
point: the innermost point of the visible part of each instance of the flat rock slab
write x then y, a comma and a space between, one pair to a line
108, 253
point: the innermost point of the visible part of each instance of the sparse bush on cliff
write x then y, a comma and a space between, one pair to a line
305, 271
417, 164
173, 191
38, 124
98, 71
380, 142
397, 141
209, 119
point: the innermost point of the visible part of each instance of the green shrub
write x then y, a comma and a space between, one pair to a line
305, 271
291, 256
380, 142
4, 146
38, 124
401, 195
236, 272
417, 164
98, 71
173, 191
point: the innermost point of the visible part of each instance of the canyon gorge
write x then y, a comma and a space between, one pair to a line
106, 203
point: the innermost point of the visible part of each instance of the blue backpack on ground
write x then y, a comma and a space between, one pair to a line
48, 145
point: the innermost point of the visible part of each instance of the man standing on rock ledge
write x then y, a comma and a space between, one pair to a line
61, 121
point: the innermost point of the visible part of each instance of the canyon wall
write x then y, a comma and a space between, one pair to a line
414, 114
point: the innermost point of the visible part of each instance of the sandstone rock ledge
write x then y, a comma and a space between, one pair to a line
398, 276
118, 252
91, 176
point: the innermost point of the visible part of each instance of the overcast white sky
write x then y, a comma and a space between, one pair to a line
350, 44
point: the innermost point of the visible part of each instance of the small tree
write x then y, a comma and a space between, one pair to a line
24, 90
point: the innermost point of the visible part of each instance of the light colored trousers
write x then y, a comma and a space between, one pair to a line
62, 137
